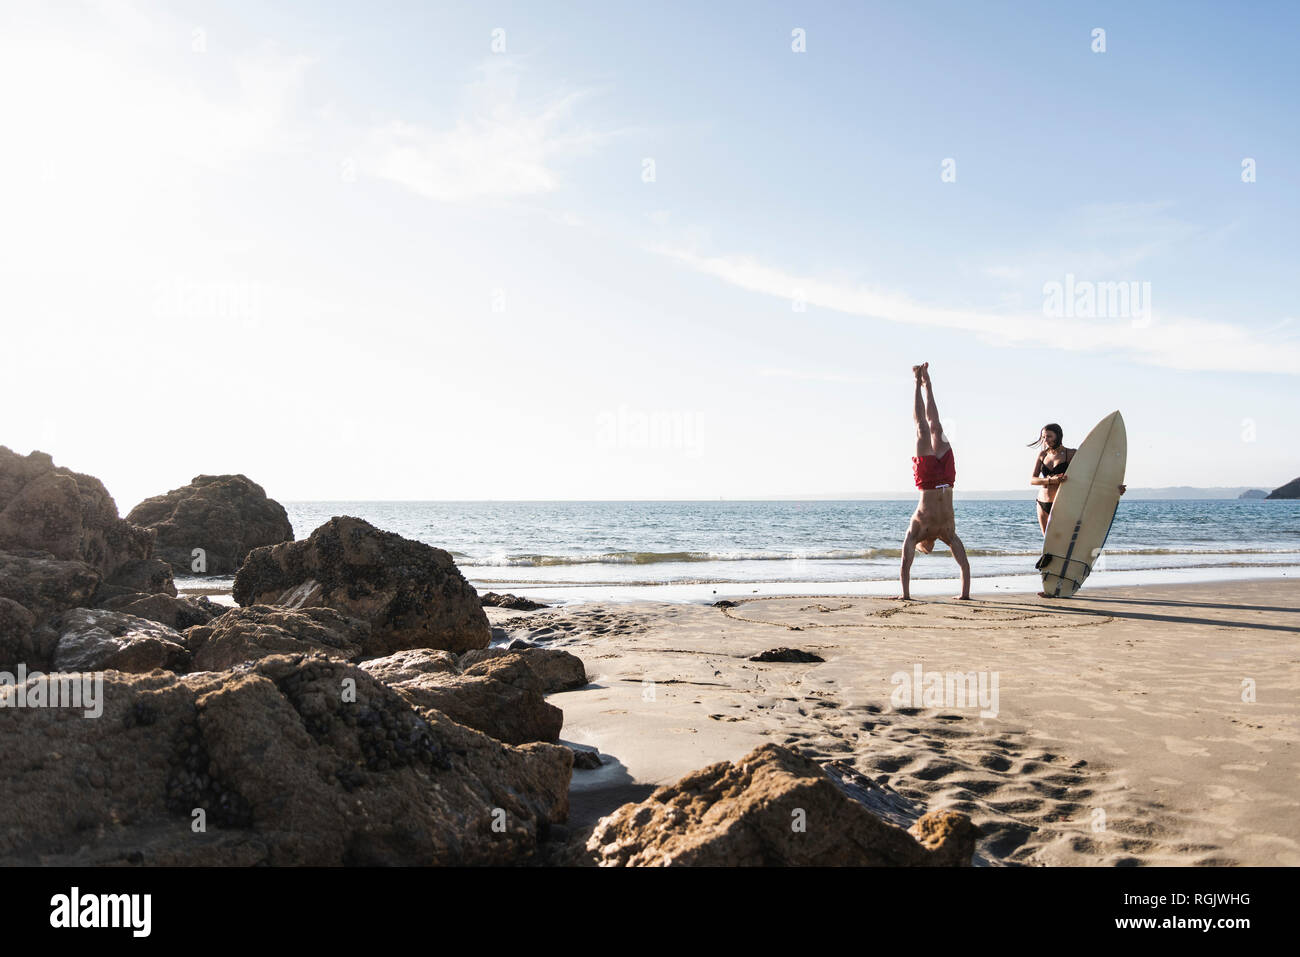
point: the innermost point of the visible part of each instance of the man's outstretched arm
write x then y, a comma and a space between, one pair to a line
959, 553
905, 569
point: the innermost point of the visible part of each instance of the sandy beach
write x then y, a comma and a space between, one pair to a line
1123, 730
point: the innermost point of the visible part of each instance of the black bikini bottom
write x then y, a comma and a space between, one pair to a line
1045, 506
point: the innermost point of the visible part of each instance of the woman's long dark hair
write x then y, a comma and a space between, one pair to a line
1049, 427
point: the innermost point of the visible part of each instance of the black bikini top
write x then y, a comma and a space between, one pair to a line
1057, 469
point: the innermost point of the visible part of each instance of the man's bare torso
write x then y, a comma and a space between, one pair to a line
934, 518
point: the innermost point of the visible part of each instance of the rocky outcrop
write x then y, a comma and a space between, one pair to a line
1290, 490
62, 547
225, 515
94, 639
772, 807
147, 576
285, 768
259, 631
501, 696
1253, 493
556, 670
179, 613
513, 602
70, 516
412, 594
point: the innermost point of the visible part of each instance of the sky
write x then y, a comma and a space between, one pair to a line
617, 251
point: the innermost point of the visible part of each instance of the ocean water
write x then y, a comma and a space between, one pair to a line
701, 550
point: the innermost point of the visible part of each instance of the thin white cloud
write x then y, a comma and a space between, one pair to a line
499, 148
1159, 340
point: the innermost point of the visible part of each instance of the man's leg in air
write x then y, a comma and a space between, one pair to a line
923, 439
938, 440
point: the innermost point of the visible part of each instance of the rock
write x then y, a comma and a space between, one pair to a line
585, 759
949, 836
517, 645
1254, 493
49, 508
1290, 490
45, 585
786, 654
556, 670
148, 576
743, 814
17, 644
501, 697
412, 594
286, 771
725, 603
93, 639
14, 618
411, 664
259, 631
514, 602
225, 515
178, 613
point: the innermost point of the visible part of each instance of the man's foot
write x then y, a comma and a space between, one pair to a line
899, 598
961, 597
1043, 594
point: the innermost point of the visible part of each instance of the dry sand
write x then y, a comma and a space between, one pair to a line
1121, 734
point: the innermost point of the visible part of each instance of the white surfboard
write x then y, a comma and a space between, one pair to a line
1084, 508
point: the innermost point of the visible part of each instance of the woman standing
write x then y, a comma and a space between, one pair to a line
1049, 469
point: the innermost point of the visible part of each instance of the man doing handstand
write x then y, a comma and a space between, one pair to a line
935, 472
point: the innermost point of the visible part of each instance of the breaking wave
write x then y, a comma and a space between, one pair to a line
830, 555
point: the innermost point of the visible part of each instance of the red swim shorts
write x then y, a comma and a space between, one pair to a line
931, 471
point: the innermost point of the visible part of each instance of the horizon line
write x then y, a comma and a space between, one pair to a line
908, 495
